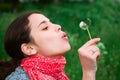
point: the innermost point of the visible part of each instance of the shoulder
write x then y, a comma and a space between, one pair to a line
18, 74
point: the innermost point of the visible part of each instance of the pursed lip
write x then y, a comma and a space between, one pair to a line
64, 36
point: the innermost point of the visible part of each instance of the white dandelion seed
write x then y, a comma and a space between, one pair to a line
83, 25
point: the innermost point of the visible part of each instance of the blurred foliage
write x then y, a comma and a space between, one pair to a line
104, 15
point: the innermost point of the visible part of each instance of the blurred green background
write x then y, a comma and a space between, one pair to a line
105, 23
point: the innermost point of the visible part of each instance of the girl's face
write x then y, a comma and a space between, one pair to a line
48, 39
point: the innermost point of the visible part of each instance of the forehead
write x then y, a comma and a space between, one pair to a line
35, 19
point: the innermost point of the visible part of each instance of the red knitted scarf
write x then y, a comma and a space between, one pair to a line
44, 68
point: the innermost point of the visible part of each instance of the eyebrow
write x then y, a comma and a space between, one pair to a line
42, 23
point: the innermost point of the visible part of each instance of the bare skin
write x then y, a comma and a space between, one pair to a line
89, 54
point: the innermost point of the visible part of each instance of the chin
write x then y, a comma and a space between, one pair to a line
67, 49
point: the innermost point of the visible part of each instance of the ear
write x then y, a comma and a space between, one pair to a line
28, 49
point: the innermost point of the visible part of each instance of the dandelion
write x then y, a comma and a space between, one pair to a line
101, 45
84, 26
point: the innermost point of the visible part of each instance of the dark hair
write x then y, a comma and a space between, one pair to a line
16, 34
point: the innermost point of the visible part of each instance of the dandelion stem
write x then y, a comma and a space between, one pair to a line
89, 34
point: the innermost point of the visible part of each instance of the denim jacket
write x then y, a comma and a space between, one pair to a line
18, 74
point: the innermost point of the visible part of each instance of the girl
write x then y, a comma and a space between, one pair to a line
37, 45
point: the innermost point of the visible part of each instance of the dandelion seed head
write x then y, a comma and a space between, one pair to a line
83, 25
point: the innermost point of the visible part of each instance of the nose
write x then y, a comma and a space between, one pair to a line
58, 27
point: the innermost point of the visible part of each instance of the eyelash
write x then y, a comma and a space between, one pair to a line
46, 28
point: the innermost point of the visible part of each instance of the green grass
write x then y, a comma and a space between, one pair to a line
105, 16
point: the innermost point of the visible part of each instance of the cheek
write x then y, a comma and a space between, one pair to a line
46, 40
51, 44
50, 40
47, 44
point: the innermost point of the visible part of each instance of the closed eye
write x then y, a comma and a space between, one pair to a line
45, 28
